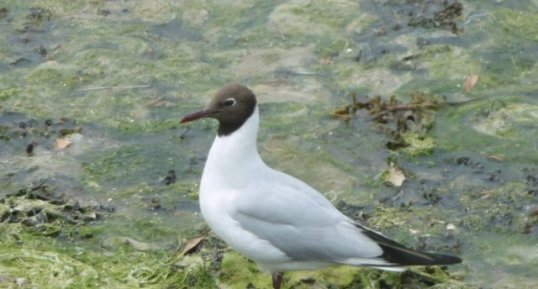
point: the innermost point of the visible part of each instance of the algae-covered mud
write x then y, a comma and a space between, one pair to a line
416, 118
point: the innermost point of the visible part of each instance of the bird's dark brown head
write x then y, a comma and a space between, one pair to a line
232, 105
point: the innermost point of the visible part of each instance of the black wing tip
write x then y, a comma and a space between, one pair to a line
426, 258
407, 257
446, 259
398, 254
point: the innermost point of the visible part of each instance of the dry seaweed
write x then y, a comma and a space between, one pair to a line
42, 210
407, 125
443, 18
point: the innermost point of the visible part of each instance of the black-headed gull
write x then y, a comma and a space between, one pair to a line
274, 219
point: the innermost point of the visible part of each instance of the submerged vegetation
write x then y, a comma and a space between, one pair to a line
408, 126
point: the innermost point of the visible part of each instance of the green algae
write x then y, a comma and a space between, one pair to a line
114, 165
502, 216
515, 24
5, 94
238, 272
62, 265
419, 145
54, 252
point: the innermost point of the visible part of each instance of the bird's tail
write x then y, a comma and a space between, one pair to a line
397, 255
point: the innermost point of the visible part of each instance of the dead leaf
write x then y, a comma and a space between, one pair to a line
396, 176
498, 158
192, 245
343, 113
62, 143
470, 82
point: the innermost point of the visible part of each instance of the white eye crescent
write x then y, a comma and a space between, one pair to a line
230, 102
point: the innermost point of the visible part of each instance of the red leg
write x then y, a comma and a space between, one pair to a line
277, 279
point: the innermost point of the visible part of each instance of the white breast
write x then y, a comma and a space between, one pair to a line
233, 162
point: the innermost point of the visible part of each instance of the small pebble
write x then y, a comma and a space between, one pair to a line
170, 178
30, 149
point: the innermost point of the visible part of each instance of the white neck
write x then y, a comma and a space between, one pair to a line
232, 155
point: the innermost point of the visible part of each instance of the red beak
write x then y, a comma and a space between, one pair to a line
195, 115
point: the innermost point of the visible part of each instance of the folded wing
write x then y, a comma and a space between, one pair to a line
304, 225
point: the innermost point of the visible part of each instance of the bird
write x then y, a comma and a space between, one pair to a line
274, 219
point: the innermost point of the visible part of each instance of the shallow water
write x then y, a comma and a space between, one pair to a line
122, 74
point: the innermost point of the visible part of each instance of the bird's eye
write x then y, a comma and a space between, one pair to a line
230, 102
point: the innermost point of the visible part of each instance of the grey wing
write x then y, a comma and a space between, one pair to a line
303, 224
